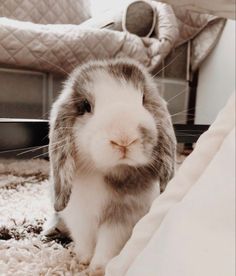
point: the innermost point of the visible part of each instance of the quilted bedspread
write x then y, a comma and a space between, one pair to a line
61, 47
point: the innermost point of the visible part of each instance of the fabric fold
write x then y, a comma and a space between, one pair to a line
188, 174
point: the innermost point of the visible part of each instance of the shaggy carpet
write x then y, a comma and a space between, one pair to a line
24, 208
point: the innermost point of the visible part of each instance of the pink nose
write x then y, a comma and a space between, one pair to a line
123, 145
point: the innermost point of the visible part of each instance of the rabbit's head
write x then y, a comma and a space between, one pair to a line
109, 118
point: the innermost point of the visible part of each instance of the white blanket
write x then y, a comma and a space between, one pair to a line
190, 229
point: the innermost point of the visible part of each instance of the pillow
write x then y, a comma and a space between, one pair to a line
140, 18
127, 18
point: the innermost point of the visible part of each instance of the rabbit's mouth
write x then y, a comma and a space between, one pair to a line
125, 160
132, 160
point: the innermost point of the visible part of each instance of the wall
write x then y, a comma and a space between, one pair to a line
217, 77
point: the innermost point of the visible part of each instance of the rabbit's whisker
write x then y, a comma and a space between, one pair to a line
168, 64
58, 67
177, 95
14, 150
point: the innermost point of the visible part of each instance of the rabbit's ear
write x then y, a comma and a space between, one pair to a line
62, 158
165, 152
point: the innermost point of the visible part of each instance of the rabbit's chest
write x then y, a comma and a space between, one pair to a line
89, 195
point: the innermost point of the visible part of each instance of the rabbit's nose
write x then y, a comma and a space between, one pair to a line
123, 145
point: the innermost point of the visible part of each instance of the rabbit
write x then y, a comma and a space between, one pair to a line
112, 148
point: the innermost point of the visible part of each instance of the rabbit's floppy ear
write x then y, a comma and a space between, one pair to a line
165, 154
165, 148
62, 154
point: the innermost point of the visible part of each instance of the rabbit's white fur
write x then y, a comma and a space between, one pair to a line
96, 244
117, 115
101, 191
119, 111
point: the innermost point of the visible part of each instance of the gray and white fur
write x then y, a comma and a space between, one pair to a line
112, 148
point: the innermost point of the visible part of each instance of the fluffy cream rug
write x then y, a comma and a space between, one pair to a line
24, 208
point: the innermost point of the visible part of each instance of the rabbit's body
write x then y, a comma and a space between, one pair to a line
112, 148
99, 220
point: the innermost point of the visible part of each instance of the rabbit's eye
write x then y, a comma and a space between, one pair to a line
143, 98
83, 107
87, 106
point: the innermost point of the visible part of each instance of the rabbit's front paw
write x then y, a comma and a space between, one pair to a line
93, 271
98, 271
83, 266
84, 261
84, 256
